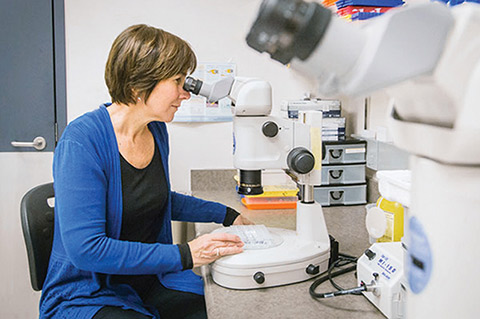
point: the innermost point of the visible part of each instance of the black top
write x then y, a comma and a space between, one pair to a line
144, 196
145, 193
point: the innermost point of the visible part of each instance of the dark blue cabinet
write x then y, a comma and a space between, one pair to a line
32, 72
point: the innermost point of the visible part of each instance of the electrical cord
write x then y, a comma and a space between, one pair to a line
348, 256
342, 261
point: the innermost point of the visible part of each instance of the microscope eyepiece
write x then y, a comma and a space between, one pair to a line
288, 28
192, 85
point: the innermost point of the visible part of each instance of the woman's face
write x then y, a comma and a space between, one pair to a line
166, 98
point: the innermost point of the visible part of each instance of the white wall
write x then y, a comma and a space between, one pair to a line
19, 172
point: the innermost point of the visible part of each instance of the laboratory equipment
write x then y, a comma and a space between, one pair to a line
428, 57
385, 261
263, 141
382, 267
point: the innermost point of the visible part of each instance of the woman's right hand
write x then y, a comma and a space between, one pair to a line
210, 247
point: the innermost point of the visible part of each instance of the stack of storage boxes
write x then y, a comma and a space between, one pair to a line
343, 173
333, 125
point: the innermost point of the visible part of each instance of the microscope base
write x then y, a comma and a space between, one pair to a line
275, 266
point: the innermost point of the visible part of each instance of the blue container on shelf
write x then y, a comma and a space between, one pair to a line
365, 15
371, 3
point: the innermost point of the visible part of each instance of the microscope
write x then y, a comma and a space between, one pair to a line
264, 141
427, 57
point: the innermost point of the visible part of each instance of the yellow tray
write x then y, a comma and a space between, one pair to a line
277, 191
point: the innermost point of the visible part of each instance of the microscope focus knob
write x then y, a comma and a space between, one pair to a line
312, 269
270, 129
259, 277
301, 160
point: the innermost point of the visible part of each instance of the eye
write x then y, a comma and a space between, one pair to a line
179, 80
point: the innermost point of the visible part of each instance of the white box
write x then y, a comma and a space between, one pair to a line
394, 185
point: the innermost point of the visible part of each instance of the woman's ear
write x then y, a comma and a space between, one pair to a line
137, 96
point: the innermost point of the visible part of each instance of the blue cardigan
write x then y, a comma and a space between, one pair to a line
88, 216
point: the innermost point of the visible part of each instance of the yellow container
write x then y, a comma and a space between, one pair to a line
394, 214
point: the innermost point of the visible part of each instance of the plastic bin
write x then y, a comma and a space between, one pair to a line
394, 185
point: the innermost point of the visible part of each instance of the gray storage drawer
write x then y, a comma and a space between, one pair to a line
344, 152
343, 174
341, 195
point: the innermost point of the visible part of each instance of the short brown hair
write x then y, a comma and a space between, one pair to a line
140, 57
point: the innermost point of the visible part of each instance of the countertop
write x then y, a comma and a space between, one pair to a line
344, 223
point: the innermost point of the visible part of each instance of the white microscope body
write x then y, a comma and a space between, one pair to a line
431, 53
263, 141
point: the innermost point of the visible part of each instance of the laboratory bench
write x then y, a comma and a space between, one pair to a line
345, 223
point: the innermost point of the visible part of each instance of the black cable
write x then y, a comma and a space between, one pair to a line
344, 260
339, 264
330, 278
319, 281
347, 256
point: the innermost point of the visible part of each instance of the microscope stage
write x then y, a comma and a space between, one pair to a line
278, 265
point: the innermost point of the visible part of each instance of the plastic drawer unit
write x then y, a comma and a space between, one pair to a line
343, 173
341, 195
350, 151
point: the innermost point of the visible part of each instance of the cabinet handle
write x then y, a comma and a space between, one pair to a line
39, 143
339, 173
336, 153
336, 195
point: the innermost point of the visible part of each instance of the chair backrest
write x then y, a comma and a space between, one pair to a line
37, 215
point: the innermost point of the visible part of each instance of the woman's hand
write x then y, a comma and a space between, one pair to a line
242, 220
208, 248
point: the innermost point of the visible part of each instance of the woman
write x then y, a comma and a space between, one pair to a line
112, 254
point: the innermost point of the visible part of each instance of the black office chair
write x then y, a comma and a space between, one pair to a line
37, 224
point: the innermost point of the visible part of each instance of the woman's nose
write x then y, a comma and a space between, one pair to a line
184, 95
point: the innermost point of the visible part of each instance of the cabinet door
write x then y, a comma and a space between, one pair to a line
32, 79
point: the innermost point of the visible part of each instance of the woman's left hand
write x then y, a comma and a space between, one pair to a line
242, 220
